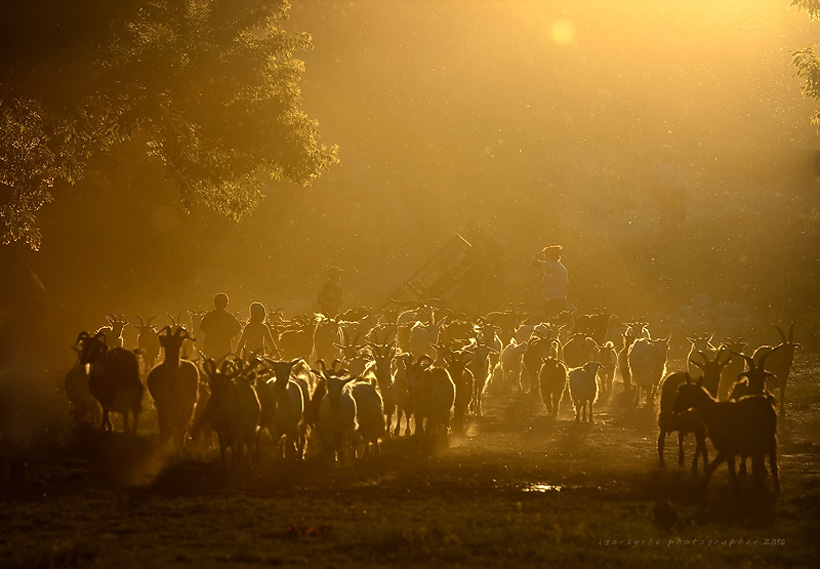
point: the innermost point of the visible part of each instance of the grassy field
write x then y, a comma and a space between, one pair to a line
520, 489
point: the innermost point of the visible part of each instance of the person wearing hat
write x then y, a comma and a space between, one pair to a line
330, 296
554, 280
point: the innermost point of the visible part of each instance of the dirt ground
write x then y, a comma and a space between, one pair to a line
519, 489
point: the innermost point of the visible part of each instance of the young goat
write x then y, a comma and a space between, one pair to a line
684, 423
553, 379
583, 388
745, 427
608, 359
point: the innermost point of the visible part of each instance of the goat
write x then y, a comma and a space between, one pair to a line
510, 361
337, 424
174, 385
383, 357
84, 406
457, 331
579, 350
369, 415
233, 410
404, 403
456, 362
752, 382
710, 369
423, 338
433, 393
553, 379
286, 422
583, 389
114, 380
480, 367
647, 362
354, 356
296, 341
733, 368
594, 326
148, 343
780, 362
684, 422
538, 346
747, 427
608, 360
633, 331
113, 332
702, 345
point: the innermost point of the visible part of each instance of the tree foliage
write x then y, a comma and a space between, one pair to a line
806, 60
212, 86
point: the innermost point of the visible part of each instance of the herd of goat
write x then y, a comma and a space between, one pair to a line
371, 370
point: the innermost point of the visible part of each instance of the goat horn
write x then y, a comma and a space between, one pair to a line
141, 322
748, 359
780, 331
171, 318
167, 331
791, 332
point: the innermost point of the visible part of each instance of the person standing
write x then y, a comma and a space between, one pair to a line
256, 337
554, 280
220, 327
330, 296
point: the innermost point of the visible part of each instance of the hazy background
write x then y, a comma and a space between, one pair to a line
540, 120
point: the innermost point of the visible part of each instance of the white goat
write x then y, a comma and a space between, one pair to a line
423, 338
647, 362
608, 360
508, 369
633, 332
